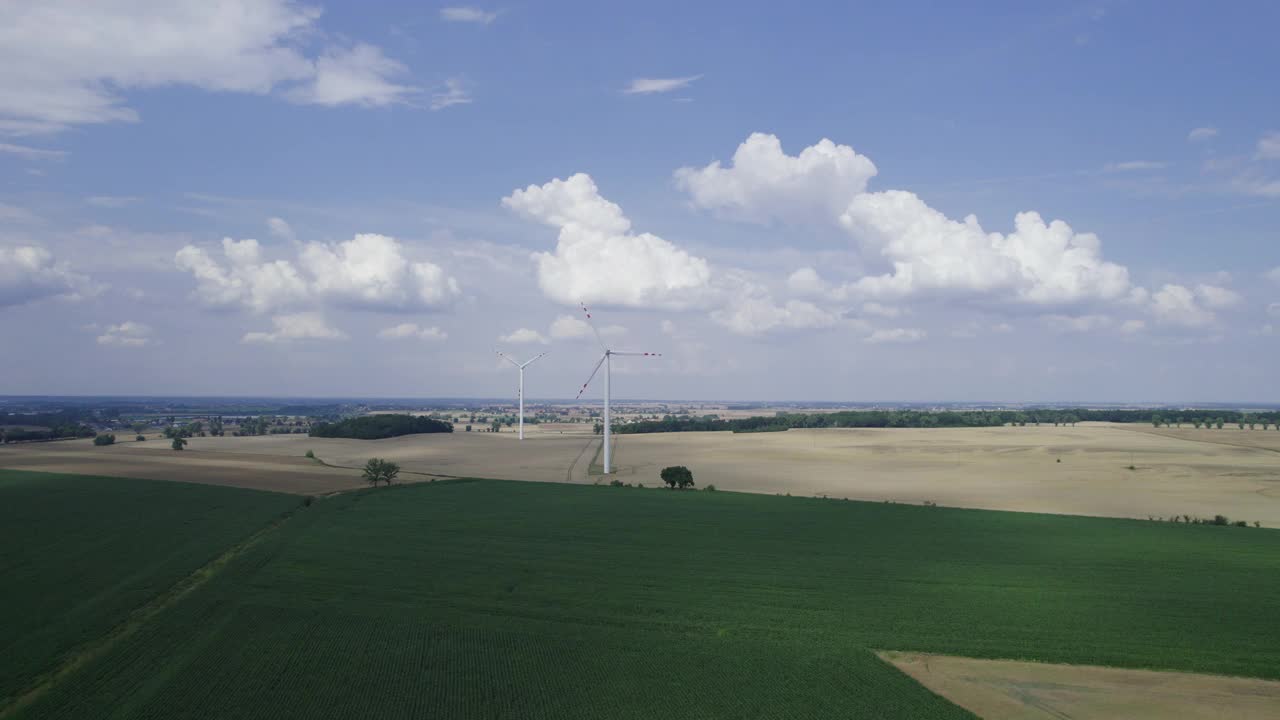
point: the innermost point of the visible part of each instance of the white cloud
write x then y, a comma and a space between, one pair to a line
1079, 323
1202, 133
467, 15
281, 229
29, 273
896, 335
1038, 263
1129, 327
1269, 146
1134, 165
297, 326
453, 94
1176, 305
66, 63
806, 281
126, 334
112, 201
30, 153
412, 331
246, 281
759, 315
598, 259
567, 326
647, 86
1217, 298
358, 75
369, 271
523, 336
875, 308
763, 183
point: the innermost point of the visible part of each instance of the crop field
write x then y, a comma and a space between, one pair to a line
78, 554
493, 599
1068, 470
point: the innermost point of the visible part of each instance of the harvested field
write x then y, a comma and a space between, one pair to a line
1001, 468
1012, 690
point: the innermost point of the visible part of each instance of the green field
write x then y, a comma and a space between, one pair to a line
78, 554
488, 599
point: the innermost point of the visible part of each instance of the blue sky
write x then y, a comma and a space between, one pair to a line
423, 182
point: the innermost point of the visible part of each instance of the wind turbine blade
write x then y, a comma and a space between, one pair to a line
639, 354
507, 357
527, 363
589, 379
592, 325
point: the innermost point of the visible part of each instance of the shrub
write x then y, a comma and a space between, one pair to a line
311, 454
710, 488
1220, 520
105, 440
615, 483
140, 438
1240, 523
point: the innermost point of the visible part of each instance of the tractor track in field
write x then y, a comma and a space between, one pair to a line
89, 651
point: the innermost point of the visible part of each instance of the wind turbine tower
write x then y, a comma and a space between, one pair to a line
606, 360
520, 366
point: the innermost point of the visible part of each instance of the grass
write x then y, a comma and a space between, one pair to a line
79, 555
524, 600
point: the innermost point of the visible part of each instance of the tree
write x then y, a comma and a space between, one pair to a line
378, 470
105, 440
677, 476
179, 442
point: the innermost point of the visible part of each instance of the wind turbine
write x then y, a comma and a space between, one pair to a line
608, 370
520, 366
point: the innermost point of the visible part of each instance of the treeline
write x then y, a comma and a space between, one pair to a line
44, 426
374, 427
943, 419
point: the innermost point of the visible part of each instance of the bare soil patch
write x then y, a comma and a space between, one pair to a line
1009, 690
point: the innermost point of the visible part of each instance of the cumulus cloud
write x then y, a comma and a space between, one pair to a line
412, 331
246, 280
126, 334
1217, 298
467, 15
1177, 305
567, 326
369, 271
1041, 263
759, 315
895, 335
763, 183
806, 281
598, 259
280, 229
1202, 133
29, 273
62, 62
296, 326
523, 336
649, 86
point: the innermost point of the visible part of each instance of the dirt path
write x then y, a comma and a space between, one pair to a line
1012, 690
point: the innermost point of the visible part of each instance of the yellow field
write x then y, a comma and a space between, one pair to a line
1198, 472
1012, 690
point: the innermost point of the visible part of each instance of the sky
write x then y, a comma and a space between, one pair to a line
1021, 202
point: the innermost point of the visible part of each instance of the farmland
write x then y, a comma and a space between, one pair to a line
78, 554
1081, 470
518, 599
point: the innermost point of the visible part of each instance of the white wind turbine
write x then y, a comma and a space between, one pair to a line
521, 366
608, 367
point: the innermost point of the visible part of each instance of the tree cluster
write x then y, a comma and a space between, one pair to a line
378, 470
677, 477
375, 427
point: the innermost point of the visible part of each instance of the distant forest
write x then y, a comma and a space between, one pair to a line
375, 427
950, 419
51, 426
